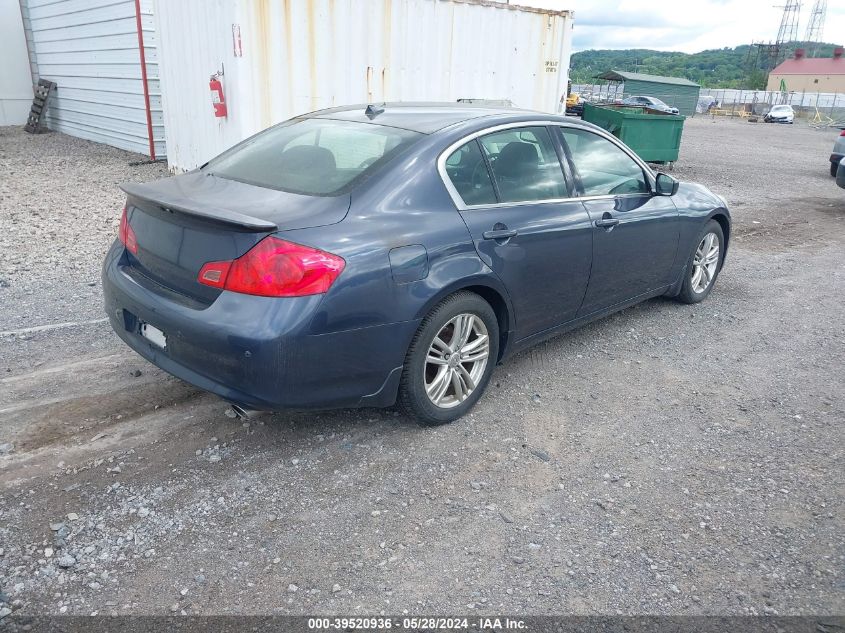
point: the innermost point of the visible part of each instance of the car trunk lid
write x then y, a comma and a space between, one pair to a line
186, 221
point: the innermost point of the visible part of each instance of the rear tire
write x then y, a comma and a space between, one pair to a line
704, 264
834, 167
443, 375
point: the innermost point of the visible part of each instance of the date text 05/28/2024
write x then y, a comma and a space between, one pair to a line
416, 623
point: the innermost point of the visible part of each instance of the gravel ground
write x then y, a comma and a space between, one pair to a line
669, 459
59, 211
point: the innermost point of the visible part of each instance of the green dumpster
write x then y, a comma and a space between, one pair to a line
655, 137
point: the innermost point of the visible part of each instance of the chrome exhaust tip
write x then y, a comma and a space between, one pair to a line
242, 413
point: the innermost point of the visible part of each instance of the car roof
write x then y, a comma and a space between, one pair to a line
428, 118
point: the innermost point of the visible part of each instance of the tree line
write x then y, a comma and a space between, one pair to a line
715, 68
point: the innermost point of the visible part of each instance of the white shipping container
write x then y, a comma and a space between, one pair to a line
280, 58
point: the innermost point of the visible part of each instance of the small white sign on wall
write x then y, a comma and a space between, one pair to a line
237, 45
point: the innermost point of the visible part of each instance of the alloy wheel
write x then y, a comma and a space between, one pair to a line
704, 263
456, 360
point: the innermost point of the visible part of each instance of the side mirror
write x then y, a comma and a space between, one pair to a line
666, 185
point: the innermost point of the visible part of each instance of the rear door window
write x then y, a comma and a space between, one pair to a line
525, 165
312, 156
468, 173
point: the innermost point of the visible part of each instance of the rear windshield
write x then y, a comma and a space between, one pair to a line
319, 157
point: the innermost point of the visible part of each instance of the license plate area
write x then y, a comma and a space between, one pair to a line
152, 334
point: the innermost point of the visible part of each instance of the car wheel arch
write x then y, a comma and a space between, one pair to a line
725, 223
495, 296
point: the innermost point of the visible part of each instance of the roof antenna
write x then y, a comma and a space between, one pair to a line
374, 110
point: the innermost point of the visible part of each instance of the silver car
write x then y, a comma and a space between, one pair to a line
838, 153
840, 174
650, 102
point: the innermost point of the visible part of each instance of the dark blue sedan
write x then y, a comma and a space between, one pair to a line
365, 255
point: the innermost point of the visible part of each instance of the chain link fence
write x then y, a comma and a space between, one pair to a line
615, 93
816, 108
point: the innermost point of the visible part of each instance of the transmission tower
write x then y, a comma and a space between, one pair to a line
788, 31
766, 55
815, 28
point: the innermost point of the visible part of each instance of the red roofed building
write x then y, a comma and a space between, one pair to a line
810, 74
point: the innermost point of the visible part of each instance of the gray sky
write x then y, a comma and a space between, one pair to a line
688, 25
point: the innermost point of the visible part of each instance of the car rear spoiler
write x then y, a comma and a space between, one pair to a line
172, 201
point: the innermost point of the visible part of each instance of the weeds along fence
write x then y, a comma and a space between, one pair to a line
817, 108
813, 106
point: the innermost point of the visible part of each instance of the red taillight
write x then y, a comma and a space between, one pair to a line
842, 133
127, 235
275, 268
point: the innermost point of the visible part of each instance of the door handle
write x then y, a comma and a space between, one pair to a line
500, 234
607, 221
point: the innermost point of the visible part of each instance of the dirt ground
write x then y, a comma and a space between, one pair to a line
669, 459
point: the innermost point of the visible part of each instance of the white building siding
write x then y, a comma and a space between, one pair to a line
90, 49
302, 55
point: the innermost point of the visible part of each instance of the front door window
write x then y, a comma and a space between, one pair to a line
604, 168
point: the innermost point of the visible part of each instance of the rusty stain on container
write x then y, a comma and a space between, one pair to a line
387, 24
262, 29
288, 35
369, 84
540, 69
334, 52
312, 53
498, 4
451, 43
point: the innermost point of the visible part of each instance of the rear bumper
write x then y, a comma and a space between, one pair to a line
258, 352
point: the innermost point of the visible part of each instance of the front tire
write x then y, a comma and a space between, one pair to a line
704, 264
450, 360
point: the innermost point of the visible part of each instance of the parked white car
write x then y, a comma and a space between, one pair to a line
780, 114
